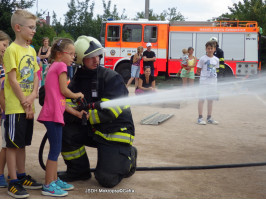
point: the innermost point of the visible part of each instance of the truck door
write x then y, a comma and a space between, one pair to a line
151, 35
113, 44
131, 39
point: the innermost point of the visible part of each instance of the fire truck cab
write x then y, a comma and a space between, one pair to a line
239, 40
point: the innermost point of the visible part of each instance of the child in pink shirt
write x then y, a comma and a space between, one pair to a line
51, 115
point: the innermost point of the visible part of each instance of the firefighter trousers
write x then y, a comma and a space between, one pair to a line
114, 159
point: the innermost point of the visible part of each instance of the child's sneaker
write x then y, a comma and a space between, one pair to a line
17, 191
201, 121
30, 183
53, 190
3, 182
212, 121
63, 185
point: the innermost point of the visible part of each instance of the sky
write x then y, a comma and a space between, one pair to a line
192, 10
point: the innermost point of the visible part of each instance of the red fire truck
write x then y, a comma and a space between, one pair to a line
238, 39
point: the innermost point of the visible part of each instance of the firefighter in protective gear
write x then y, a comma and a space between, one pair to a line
220, 55
110, 130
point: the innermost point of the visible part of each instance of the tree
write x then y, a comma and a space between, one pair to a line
152, 16
43, 30
108, 14
250, 10
170, 14
7, 7
173, 15
58, 27
78, 20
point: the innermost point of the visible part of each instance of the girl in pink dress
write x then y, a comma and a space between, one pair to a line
51, 115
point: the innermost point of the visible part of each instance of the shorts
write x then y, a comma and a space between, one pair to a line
135, 71
190, 75
18, 130
3, 133
209, 92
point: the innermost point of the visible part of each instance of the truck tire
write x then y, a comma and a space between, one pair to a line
228, 73
124, 69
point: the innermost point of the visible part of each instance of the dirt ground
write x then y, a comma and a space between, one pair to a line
240, 137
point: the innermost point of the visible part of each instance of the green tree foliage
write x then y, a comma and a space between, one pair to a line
170, 14
79, 18
7, 7
251, 10
58, 27
108, 14
43, 30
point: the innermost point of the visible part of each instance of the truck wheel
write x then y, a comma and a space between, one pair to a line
124, 70
228, 72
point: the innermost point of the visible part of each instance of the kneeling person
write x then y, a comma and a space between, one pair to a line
110, 130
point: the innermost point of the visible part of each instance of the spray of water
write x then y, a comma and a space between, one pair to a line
228, 87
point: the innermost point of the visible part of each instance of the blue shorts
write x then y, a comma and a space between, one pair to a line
135, 71
54, 133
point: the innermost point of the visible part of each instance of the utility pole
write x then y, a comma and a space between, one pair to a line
147, 7
37, 7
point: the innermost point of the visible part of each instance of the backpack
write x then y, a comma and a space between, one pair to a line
131, 59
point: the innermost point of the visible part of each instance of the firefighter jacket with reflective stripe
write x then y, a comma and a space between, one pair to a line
113, 124
220, 54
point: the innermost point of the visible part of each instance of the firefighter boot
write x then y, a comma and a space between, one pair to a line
63, 175
77, 169
133, 165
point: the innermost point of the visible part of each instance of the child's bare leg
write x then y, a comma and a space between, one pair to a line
51, 171
210, 102
21, 158
2, 160
200, 107
191, 81
136, 82
184, 81
129, 81
11, 162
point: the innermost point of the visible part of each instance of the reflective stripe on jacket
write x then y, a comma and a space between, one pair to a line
117, 137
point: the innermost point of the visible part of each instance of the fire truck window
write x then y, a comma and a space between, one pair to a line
201, 39
150, 34
132, 33
113, 33
102, 34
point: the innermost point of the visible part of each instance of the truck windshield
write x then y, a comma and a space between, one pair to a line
132, 33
